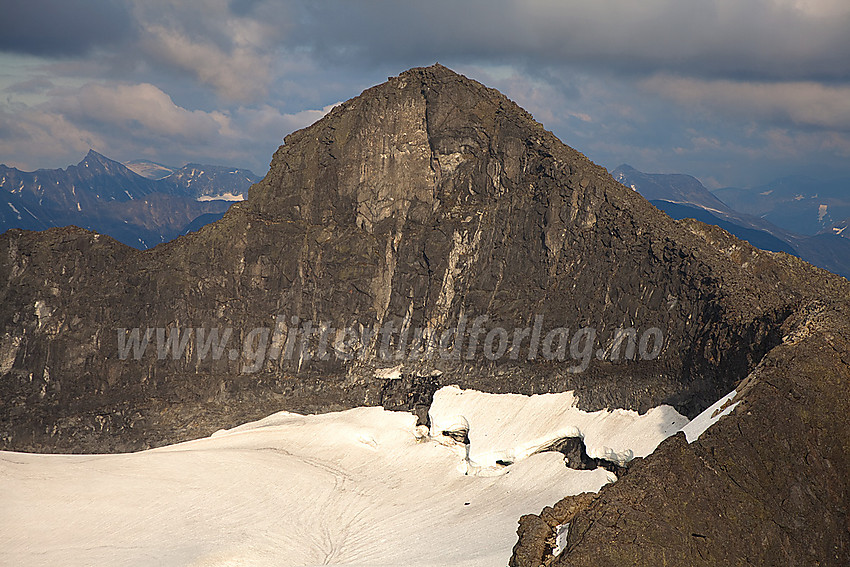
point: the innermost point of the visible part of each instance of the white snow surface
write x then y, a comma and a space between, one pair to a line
512, 426
562, 531
358, 487
709, 417
223, 197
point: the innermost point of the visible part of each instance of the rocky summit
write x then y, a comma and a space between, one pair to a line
408, 217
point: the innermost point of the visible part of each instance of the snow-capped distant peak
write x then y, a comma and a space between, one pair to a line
150, 169
94, 158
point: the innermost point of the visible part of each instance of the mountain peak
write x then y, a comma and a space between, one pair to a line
93, 155
434, 71
623, 168
98, 160
437, 129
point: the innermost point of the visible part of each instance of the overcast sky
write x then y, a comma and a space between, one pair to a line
736, 92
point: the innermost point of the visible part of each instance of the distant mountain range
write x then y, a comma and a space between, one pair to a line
819, 242
140, 204
203, 182
797, 203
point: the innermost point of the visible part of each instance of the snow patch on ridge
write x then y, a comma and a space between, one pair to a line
16, 211
709, 417
562, 532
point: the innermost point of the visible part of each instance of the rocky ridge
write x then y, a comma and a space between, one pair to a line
765, 486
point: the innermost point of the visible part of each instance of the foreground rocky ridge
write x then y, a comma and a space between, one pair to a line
765, 486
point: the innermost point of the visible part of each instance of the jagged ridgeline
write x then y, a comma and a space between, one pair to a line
424, 204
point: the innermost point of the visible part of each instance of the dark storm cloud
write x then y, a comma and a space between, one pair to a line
766, 39
235, 46
62, 28
731, 39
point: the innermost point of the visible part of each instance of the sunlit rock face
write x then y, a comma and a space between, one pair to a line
426, 202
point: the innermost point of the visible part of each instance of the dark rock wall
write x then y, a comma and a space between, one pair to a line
425, 199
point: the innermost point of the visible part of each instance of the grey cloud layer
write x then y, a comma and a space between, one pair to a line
765, 39
62, 28
756, 38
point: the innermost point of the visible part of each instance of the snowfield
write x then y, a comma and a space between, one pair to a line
358, 487
223, 197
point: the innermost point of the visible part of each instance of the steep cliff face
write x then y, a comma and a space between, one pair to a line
767, 485
427, 201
